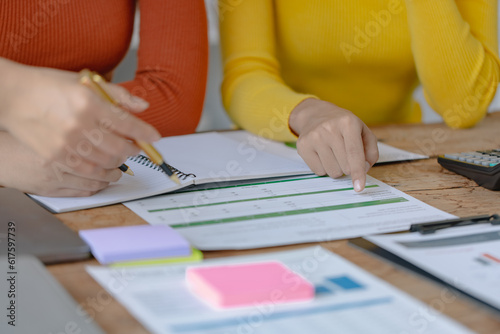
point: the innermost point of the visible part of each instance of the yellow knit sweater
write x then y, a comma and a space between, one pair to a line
366, 56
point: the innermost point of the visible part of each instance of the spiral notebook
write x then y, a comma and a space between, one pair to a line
196, 159
204, 158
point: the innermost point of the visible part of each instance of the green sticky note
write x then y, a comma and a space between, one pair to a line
196, 256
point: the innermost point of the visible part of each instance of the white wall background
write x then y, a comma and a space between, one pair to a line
214, 116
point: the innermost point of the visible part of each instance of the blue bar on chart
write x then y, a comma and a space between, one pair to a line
345, 282
322, 290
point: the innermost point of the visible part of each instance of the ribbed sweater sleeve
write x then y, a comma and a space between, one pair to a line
455, 47
172, 64
253, 92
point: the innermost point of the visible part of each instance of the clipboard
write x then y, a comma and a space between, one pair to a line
429, 229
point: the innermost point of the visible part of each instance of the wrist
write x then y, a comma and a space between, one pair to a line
11, 71
13, 82
299, 115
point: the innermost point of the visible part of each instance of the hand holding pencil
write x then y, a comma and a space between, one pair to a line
96, 82
64, 138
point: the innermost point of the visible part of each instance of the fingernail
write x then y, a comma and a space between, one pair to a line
140, 102
357, 186
367, 166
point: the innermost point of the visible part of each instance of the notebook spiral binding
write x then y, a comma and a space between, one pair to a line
145, 161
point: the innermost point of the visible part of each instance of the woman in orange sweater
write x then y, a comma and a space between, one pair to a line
58, 138
320, 71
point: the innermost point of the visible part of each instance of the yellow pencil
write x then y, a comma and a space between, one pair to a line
94, 81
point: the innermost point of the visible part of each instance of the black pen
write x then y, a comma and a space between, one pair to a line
428, 228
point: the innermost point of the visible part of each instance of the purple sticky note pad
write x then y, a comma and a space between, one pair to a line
248, 284
127, 243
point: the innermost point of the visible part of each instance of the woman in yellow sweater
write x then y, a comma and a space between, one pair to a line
320, 70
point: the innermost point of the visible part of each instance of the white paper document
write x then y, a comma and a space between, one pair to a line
285, 211
196, 159
202, 158
387, 153
466, 257
347, 300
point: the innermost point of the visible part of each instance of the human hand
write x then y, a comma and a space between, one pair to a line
334, 141
25, 170
68, 124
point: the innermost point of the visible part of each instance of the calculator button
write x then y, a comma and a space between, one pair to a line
481, 166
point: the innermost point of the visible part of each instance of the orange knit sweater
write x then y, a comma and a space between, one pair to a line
95, 34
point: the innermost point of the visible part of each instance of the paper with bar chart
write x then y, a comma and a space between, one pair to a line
345, 294
284, 211
465, 257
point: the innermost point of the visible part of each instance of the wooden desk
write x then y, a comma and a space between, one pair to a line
424, 180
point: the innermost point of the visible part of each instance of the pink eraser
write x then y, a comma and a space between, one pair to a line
248, 284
